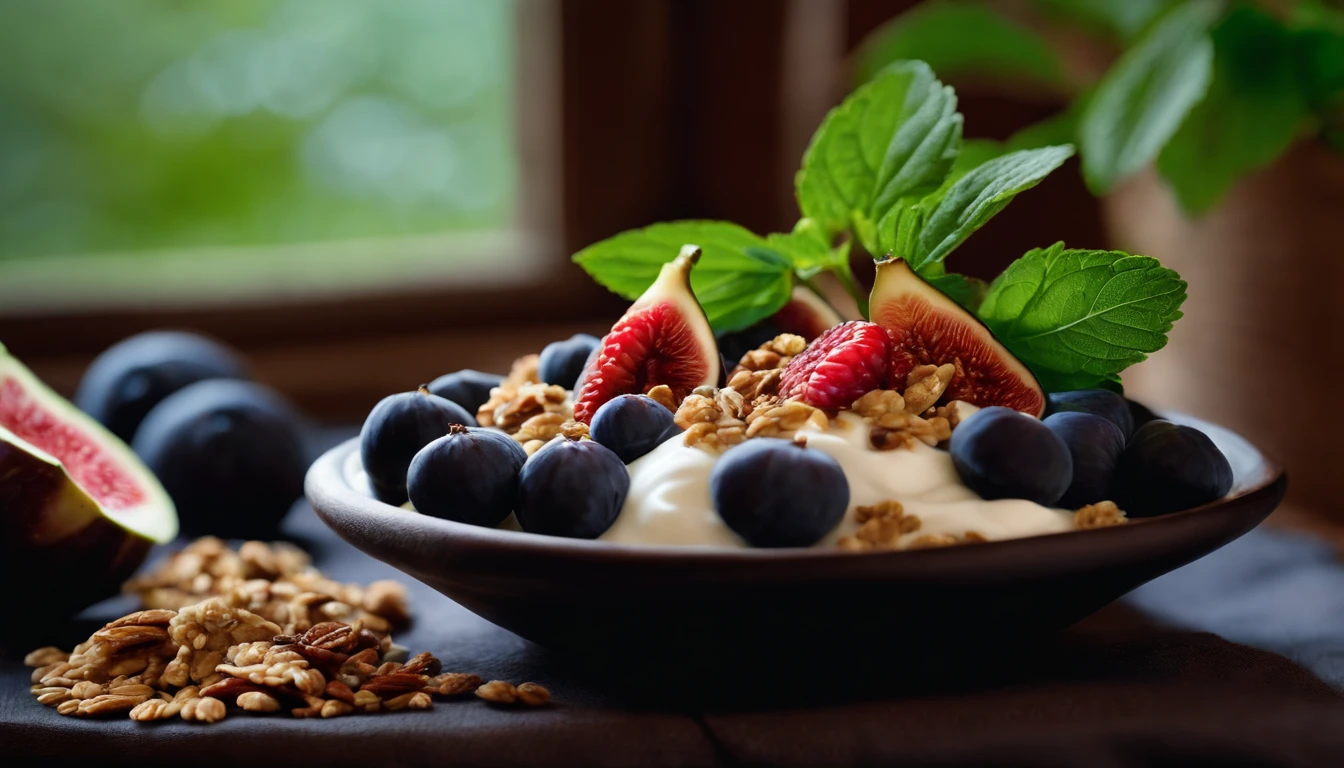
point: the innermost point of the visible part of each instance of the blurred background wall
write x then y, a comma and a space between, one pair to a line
363, 196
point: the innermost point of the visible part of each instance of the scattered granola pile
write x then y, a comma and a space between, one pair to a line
274, 581
197, 662
260, 629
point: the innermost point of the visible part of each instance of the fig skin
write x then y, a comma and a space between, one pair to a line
1001, 453
777, 493
229, 453
130, 377
571, 488
1095, 444
663, 338
469, 475
631, 425
561, 362
396, 429
1168, 468
1140, 413
1098, 402
469, 389
51, 529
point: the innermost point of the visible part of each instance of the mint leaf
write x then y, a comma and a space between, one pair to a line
1249, 117
1124, 19
967, 204
740, 279
969, 292
962, 38
1079, 314
809, 249
1144, 97
894, 138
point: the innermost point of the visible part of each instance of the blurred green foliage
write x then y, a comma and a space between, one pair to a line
147, 124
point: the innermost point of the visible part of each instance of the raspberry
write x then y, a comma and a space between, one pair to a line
839, 366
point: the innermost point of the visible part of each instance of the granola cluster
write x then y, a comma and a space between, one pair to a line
197, 662
274, 581
1103, 514
532, 412
759, 370
882, 525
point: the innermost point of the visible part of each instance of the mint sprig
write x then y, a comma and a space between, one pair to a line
1082, 317
888, 169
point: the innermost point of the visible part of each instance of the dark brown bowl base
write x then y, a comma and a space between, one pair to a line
664, 608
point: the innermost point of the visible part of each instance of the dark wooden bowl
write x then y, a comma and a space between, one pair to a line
607, 601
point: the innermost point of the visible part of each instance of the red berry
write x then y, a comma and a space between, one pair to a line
839, 367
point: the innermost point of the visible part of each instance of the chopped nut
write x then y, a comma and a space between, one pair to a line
714, 437
204, 710
771, 417
697, 408
365, 699
1103, 514
662, 394
974, 537
529, 400
532, 446
525, 370
336, 708
86, 690
894, 431
576, 430
156, 709
339, 690
932, 540
256, 701
879, 402
543, 426
925, 384
454, 684
755, 384
498, 692
395, 684
880, 526
45, 657
533, 695
107, 704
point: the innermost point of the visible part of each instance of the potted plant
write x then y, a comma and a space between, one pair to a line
1214, 139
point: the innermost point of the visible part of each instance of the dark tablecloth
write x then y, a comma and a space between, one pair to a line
1234, 660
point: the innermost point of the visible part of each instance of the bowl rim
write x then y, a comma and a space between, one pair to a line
326, 487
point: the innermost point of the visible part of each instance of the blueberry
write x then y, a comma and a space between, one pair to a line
469, 475
631, 425
469, 389
1095, 443
396, 429
738, 343
1169, 467
1098, 402
776, 493
562, 361
134, 375
1001, 453
230, 453
572, 488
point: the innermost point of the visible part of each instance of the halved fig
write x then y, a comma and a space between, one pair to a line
806, 315
664, 338
927, 327
78, 511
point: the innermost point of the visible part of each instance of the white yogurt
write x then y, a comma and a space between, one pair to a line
669, 501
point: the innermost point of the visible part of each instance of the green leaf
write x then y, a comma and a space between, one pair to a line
969, 292
1124, 19
961, 38
809, 249
740, 279
1068, 382
1146, 95
1250, 115
973, 200
1080, 314
894, 138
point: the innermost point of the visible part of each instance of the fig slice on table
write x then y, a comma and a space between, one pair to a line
78, 510
664, 338
928, 328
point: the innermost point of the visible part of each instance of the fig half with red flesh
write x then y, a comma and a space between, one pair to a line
664, 338
806, 315
927, 327
78, 510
